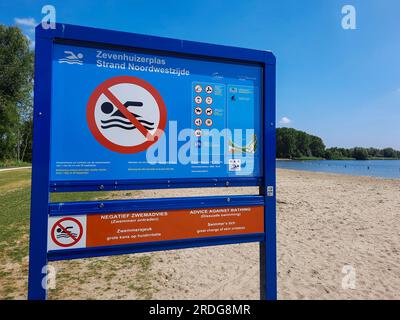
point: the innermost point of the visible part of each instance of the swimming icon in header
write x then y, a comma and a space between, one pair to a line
72, 58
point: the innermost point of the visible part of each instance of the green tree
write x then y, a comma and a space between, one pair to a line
317, 147
389, 153
292, 143
16, 77
360, 153
334, 154
328, 154
374, 152
285, 143
303, 143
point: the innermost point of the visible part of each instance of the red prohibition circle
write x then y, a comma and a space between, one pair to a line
75, 240
102, 139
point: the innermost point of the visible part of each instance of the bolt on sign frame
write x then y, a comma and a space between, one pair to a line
42, 184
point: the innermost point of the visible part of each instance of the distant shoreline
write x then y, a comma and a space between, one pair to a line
369, 168
337, 174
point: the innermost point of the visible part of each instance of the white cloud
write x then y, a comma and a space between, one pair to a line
26, 22
28, 26
285, 121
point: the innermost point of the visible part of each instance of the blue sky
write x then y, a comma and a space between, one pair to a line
342, 85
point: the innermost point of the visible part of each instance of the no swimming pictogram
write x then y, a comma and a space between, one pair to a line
66, 232
126, 114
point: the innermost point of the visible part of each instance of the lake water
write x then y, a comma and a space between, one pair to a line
373, 168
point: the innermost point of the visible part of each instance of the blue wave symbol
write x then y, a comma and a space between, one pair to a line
70, 61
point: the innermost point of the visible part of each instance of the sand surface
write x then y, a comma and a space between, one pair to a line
326, 222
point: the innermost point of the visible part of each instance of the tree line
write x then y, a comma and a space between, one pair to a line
16, 96
295, 144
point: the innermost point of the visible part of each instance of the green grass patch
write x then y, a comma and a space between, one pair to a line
13, 180
14, 223
144, 263
142, 284
78, 196
13, 164
382, 158
15, 196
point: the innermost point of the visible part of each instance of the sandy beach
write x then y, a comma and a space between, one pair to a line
325, 222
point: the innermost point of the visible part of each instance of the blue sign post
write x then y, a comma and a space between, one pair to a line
120, 111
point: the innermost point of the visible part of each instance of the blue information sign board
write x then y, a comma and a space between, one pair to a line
233, 102
118, 111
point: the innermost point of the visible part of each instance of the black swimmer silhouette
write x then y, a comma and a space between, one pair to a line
63, 234
108, 108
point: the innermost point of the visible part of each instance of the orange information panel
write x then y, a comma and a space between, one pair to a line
135, 227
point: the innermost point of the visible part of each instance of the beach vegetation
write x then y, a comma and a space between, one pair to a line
299, 145
16, 93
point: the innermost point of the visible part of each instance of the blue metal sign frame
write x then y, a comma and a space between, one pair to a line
41, 208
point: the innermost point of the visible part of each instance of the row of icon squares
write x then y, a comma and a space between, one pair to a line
198, 88
198, 110
198, 122
199, 100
